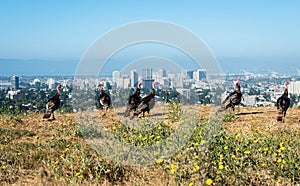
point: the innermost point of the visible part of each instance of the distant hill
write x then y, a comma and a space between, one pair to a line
20, 67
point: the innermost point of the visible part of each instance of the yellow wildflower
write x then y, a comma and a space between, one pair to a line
226, 147
282, 148
281, 144
159, 160
197, 167
221, 156
279, 160
191, 184
221, 167
208, 182
266, 149
77, 174
247, 152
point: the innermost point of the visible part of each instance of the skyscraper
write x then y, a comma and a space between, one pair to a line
116, 75
189, 74
199, 74
133, 78
294, 88
147, 83
162, 73
15, 82
147, 73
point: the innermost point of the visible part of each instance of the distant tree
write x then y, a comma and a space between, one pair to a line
253, 91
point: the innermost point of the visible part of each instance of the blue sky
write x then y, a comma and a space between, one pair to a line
64, 29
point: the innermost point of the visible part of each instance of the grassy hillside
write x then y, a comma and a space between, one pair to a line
250, 147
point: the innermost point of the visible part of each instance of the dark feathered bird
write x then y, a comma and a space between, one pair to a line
104, 98
147, 102
133, 101
283, 103
53, 104
233, 98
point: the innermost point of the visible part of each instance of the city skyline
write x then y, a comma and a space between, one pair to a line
258, 90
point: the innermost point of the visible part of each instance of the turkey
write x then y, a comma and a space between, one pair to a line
146, 103
53, 104
283, 103
233, 98
133, 100
104, 98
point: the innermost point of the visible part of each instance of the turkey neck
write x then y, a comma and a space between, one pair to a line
153, 92
102, 91
58, 91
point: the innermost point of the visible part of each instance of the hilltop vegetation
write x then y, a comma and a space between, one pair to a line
249, 148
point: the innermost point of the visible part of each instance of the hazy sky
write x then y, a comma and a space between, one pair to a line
64, 29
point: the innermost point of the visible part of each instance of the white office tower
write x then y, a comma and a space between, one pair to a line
133, 78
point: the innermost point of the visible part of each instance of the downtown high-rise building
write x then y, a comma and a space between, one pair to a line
133, 78
15, 82
294, 88
147, 73
116, 75
199, 74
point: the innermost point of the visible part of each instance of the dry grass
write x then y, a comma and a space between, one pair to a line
40, 152
249, 120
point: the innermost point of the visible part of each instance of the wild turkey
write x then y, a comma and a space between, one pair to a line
233, 98
146, 103
134, 100
283, 103
53, 104
104, 98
